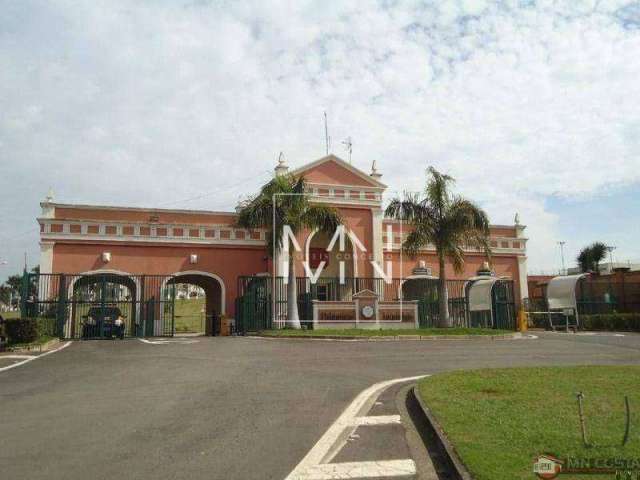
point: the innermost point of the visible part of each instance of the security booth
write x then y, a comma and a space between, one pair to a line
426, 291
491, 302
562, 301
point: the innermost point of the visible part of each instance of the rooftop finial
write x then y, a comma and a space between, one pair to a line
516, 219
49, 197
282, 166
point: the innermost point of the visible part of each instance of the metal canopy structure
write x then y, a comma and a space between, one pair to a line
561, 291
480, 293
561, 295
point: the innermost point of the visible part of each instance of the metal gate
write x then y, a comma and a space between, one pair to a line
101, 305
254, 303
503, 311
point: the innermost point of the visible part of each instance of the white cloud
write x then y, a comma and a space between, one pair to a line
152, 102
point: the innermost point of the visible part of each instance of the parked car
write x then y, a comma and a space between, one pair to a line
104, 322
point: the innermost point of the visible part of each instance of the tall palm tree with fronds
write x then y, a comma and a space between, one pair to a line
447, 222
282, 202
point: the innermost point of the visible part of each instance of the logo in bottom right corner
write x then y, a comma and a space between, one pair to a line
547, 467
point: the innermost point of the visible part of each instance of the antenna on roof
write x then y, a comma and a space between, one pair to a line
348, 145
327, 138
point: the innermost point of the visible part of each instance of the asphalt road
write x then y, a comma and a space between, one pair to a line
224, 408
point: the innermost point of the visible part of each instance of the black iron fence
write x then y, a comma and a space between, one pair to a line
261, 303
100, 305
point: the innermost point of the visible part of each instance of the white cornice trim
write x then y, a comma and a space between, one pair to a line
124, 223
53, 237
336, 186
351, 202
80, 206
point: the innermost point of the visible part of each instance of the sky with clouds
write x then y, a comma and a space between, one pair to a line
532, 106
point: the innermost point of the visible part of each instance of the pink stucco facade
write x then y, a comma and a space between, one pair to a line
75, 238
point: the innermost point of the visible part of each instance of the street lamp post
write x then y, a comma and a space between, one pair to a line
610, 249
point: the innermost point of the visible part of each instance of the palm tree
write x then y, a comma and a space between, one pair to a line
448, 222
284, 200
590, 257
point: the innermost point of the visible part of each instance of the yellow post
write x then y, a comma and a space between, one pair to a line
522, 319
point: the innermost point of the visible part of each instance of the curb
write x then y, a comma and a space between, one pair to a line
393, 338
35, 348
427, 422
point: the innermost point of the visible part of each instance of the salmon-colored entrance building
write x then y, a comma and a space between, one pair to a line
207, 249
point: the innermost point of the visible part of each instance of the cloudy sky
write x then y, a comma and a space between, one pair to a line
532, 106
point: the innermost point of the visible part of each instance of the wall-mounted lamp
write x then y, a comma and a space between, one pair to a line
193, 258
106, 257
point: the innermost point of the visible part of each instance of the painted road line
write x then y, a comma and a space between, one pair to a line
34, 357
255, 337
381, 469
377, 420
22, 357
336, 436
167, 342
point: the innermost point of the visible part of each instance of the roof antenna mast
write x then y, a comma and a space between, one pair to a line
326, 134
348, 145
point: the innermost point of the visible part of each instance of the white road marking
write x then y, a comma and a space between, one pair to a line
34, 357
166, 342
590, 334
336, 436
377, 420
383, 468
255, 337
17, 356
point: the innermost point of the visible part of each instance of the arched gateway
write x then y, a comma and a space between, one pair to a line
147, 252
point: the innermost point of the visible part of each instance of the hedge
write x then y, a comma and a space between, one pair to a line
21, 330
628, 322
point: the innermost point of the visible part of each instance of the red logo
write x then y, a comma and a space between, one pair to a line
547, 467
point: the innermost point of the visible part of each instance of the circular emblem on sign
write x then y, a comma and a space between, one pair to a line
367, 311
547, 467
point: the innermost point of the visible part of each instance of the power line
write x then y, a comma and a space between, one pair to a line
213, 192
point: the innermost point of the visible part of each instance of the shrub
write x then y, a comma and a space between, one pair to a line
629, 322
21, 330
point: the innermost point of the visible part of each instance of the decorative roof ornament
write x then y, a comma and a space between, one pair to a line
282, 166
485, 270
516, 219
421, 269
49, 197
374, 171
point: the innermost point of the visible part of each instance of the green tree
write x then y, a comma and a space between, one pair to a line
5, 294
590, 257
447, 222
15, 283
283, 199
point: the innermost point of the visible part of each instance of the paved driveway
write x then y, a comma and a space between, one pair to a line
224, 408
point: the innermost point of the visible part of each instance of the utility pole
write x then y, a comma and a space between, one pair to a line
561, 243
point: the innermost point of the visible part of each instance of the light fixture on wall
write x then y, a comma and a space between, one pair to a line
193, 258
106, 257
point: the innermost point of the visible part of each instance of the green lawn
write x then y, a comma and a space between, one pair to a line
500, 420
360, 332
7, 315
188, 315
